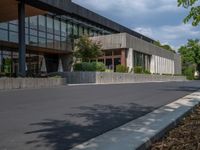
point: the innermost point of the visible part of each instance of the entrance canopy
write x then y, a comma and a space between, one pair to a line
9, 10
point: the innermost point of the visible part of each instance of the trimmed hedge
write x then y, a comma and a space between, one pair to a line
87, 66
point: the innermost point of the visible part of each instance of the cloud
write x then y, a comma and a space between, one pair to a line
174, 35
130, 5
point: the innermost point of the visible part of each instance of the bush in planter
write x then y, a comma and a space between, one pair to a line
121, 69
99, 66
147, 72
78, 67
138, 69
87, 66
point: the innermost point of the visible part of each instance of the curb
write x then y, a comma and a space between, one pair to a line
89, 84
140, 133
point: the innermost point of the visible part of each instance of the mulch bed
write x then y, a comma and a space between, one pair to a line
186, 136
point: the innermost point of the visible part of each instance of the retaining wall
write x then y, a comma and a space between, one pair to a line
21, 83
106, 78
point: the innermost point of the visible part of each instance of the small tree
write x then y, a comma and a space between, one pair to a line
86, 49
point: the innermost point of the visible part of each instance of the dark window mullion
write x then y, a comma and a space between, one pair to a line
45, 19
38, 31
53, 33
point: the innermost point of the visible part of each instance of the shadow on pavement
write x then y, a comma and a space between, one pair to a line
183, 88
88, 123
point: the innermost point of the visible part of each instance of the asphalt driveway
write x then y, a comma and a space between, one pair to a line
60, 118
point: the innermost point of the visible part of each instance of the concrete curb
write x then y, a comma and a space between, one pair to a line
138, 134
88, 84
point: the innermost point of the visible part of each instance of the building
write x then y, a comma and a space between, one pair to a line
130, 51
38, 36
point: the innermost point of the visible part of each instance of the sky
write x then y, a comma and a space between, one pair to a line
158, 19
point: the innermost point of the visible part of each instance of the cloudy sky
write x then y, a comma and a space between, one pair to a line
158, 19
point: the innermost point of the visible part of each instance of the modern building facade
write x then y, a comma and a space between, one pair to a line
130, 51
38, 36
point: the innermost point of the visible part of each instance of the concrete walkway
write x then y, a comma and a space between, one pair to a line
138, 134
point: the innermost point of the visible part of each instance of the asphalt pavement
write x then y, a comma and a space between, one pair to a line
63, 117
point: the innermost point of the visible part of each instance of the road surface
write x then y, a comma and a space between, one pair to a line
60, 118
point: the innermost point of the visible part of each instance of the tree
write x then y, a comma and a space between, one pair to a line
167, 47
86, 49
190, 54
194, 13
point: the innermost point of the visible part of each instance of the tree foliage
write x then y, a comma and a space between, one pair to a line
190, 54
86, 49
194, 13
165, 46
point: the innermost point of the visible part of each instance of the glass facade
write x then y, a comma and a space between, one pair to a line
9, 63
142, 60
50, 31
46, 31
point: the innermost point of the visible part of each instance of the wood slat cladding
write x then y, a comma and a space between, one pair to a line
9, 10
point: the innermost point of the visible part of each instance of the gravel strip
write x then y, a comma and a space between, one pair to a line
186, 136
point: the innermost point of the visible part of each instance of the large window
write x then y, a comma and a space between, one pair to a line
49, 24
34, 22
142, 60
3, 35
49, 31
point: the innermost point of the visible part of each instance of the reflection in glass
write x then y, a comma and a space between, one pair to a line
33, 22
42, 42
3, 35
41, 23
4, 26
56, 27
13, 37
63, 28
49, 24
33, 40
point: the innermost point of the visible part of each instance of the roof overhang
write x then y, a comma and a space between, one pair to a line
9, 10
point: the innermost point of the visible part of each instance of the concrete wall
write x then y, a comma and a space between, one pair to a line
106, 78
177, 64
160, 65
22, 83
124, 40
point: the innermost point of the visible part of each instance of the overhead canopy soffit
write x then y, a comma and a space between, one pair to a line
9, 10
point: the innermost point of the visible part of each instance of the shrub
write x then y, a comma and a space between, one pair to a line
99, 66
147, 72
78, 67
87, 66
189, 72
121, 69
138, 69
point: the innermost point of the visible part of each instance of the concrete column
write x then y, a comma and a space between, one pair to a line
129, 59
123, 57
67, 61
21, 35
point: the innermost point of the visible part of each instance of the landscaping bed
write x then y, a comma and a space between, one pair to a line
186, 136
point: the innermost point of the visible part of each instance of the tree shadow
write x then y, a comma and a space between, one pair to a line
91, 121
183, 89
